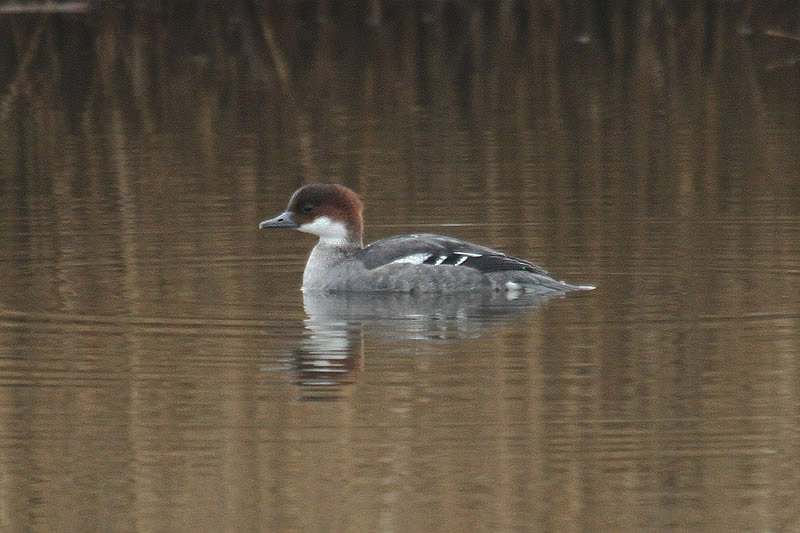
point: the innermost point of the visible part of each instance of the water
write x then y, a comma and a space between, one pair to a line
161, 371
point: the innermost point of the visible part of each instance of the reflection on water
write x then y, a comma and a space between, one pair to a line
155, 350
419, 316
337, 323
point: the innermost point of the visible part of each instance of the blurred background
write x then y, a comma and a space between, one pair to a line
160, 369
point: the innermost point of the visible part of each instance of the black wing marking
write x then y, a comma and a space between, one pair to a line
436, 250
500, 262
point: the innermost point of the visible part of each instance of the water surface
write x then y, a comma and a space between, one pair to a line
160, 369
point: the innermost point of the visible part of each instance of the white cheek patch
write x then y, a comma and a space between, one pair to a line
326, 229
413, 259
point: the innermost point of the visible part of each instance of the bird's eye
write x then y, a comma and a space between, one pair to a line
307, 208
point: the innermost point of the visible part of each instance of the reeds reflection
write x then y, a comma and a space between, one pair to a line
371, 93
648, 147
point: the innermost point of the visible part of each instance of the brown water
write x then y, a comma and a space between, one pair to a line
161, 371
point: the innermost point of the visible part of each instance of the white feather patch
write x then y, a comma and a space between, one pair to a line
328, 230
413, 259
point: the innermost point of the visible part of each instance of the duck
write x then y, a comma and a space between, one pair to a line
416, 263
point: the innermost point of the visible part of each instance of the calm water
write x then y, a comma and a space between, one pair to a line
161, 371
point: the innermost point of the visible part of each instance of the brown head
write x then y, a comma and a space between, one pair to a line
333, 212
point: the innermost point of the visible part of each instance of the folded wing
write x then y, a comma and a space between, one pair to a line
439, 250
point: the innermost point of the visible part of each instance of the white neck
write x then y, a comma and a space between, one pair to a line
333, 241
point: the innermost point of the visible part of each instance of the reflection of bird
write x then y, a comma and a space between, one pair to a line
404, 263
404, 316
322, 372
331, 355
